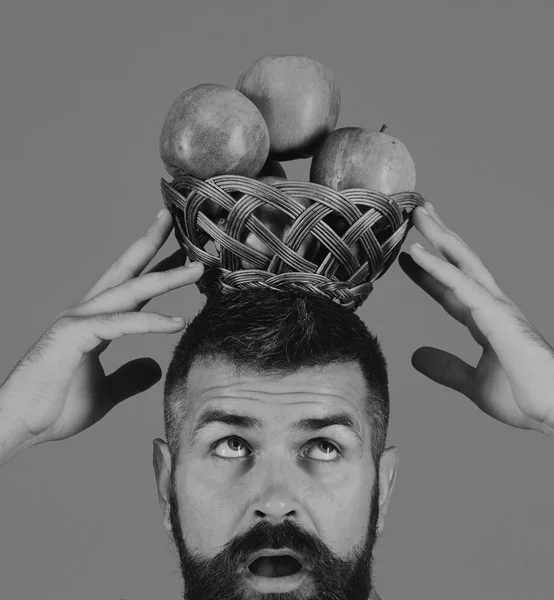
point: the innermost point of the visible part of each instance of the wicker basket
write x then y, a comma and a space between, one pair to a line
380, 224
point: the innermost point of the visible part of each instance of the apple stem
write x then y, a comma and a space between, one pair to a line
383, 128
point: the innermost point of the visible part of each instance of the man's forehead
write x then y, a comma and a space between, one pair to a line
342, 380
313, 398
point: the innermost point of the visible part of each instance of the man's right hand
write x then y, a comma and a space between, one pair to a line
59, 387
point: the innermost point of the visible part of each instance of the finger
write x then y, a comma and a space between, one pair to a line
444, 368
173, 261
84, 334
139, 291
437, 290
70, 337
493, 316
456, 251
134, 260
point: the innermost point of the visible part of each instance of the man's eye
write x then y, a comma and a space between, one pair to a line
231, 445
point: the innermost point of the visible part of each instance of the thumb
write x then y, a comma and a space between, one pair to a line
444, 368
132, 378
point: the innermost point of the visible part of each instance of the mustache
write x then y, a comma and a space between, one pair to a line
286, 535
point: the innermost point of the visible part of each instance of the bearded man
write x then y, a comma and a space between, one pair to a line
275, 478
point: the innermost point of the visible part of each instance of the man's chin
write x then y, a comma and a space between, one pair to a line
205, 580
330, 577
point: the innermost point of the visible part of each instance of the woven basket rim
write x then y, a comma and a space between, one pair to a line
366, 214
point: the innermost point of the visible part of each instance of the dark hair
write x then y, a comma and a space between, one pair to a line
271, 333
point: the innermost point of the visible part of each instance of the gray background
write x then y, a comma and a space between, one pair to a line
466, 86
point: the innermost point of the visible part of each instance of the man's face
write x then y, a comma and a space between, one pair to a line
240, 491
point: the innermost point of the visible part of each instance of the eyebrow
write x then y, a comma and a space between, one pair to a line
244, 421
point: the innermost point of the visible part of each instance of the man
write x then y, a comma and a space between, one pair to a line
276, 442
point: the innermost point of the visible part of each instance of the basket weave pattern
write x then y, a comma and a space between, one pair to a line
380, 223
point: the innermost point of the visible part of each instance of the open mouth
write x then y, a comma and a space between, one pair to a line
275, 566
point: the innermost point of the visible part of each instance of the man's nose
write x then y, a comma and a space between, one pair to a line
277, 493
275, 509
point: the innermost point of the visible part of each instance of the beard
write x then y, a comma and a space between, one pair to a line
332, 578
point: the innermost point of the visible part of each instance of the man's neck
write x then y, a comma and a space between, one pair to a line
374, 596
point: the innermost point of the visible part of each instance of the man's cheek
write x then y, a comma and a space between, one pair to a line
204, 492
203, 479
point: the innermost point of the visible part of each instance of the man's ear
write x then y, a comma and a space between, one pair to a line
388, 472
162, 469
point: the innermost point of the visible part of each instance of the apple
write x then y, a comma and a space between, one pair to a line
340, 226
271, 178
298, 98
221, 220
272, 171
354, 157
211, 130
278, 223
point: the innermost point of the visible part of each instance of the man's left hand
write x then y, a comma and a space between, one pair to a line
514, 379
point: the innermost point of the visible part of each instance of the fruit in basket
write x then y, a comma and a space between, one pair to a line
211, 130
354, 157
271, 179
253, 240
298, 98
279, 224
272, 170
340, 226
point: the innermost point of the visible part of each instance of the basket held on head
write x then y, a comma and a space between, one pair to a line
352, 237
